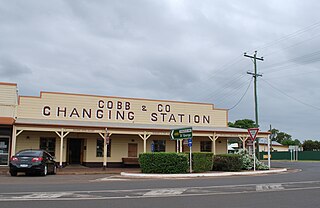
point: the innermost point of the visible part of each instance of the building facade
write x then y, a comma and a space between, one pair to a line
101, 130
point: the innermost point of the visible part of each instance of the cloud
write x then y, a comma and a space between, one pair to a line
10, 68
179, 50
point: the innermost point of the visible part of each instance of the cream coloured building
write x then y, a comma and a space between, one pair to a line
75, 128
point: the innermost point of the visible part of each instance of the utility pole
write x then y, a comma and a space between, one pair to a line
255, 76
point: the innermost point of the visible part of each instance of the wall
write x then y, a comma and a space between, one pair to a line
221, 146
61, 106
263, 147
8, 101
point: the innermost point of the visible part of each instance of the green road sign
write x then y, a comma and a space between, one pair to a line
182, 133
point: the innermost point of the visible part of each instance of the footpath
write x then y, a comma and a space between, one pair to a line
136, 172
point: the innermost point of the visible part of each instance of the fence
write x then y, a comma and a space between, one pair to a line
302, 155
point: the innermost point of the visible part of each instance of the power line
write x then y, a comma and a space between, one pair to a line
229, 96
221, 91
242, 96
282, 92
291, 35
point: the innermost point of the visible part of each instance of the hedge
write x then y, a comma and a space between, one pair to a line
163, 162
227, 162
202, 161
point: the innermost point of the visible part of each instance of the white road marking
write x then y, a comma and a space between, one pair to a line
269, 187
110, 179
165, 192
42, 195
159, 193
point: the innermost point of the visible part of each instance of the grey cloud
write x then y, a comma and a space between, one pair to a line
180, 50
12, 69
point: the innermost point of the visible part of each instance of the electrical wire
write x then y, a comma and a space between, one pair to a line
297, 100
231, 93
242, 95
222, 89
291, 35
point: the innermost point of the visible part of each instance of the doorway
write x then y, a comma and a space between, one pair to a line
4, 150
132, 150
75, 151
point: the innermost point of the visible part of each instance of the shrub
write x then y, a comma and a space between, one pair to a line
247, 161
163, 162
227, 162
202, 161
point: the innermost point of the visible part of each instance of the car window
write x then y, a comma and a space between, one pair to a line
29, 153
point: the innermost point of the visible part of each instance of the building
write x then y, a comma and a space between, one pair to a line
75, 128
276, 146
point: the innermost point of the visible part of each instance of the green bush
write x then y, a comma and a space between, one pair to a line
247, 161
163, 162
202, 161
227, 162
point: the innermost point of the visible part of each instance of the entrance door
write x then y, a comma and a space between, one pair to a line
4, 150
132, 150
75, 151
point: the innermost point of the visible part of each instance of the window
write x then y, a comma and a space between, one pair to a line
206, 146
48, 144
159, 145
99, 152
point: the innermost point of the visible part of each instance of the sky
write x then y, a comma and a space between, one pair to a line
172, 50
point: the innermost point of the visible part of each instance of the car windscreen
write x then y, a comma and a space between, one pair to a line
29, 154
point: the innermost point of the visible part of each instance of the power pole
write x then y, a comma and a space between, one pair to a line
255, 76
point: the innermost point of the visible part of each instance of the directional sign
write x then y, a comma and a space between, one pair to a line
189, 142
183, 133
253, 133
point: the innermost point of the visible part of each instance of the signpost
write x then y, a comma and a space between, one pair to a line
183, 133
253, 132
294, 152
190, 147
186, 134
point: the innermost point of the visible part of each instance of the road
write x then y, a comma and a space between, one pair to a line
300, 187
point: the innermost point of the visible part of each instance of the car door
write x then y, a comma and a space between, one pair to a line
49, 161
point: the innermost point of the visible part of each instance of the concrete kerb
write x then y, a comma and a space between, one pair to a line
195, 175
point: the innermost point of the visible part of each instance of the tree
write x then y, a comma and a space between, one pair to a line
283, 138
243, 124
289, 142
309, 145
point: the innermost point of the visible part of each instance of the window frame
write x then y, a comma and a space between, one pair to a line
47, 148
159, 145
100, 148
205, 146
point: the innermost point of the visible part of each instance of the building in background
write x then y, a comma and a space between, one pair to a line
275, 146
79, 129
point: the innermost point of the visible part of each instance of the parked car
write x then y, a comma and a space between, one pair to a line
32, 162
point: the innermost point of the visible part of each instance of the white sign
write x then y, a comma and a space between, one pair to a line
253, 133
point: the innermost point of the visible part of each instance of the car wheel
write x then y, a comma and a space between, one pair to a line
45, 171
13, 173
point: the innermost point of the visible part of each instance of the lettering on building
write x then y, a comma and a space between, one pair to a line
107, 110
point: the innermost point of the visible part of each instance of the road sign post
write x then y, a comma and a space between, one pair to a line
183, 133
190, 156
253, 132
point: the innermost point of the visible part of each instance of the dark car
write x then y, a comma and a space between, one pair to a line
32, 162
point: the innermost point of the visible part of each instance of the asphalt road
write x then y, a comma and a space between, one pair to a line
300, 187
